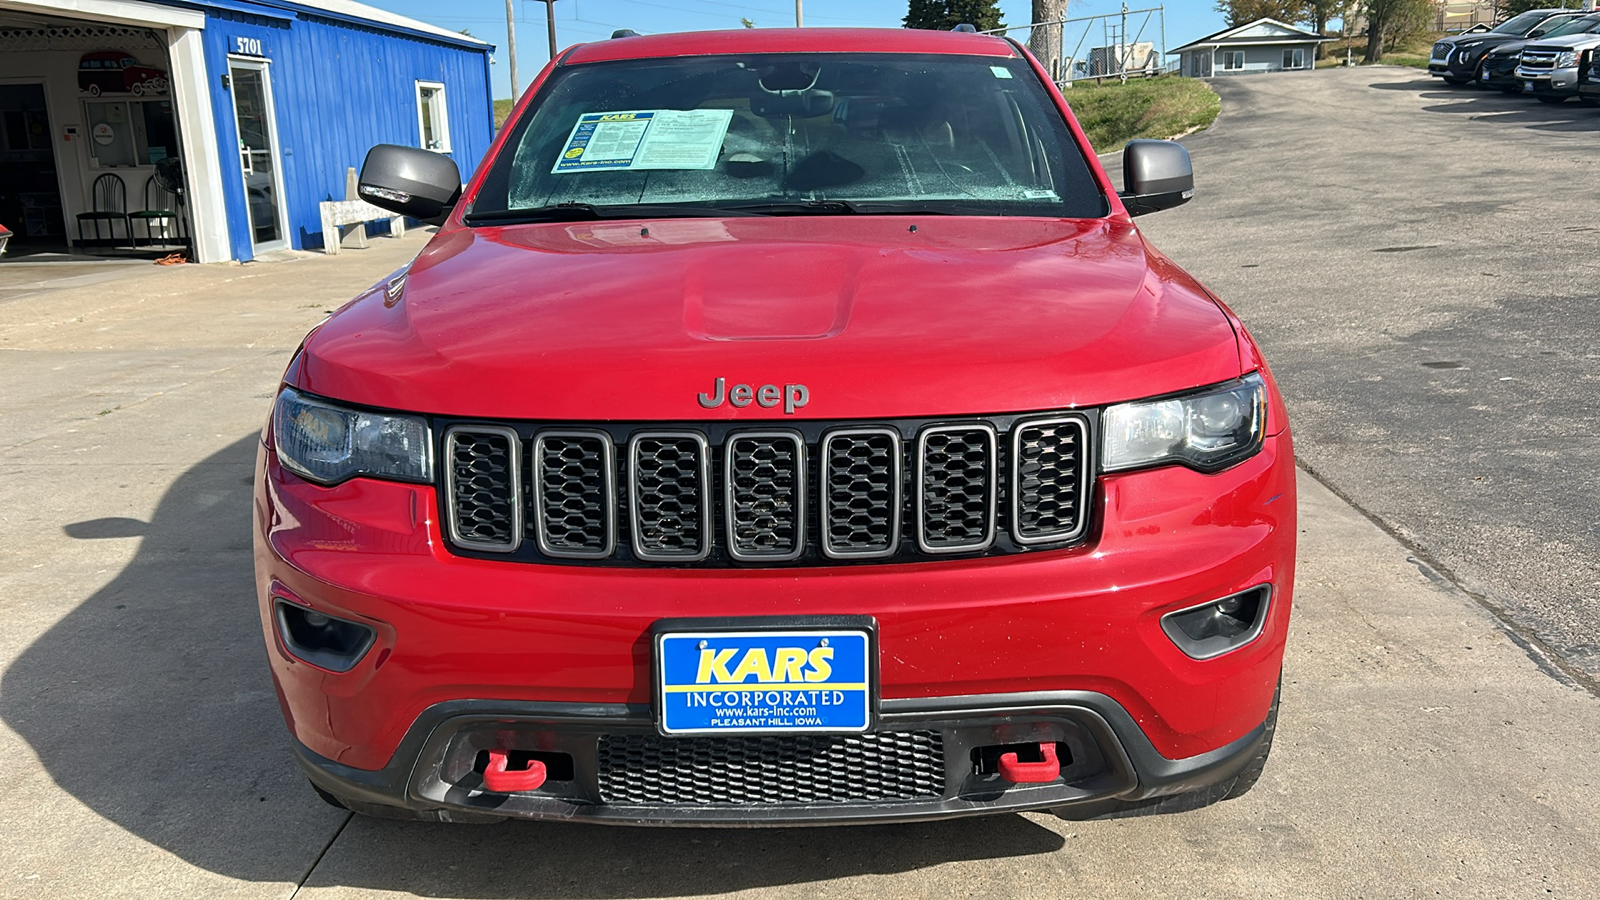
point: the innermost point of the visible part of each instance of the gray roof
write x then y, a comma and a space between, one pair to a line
1229, 37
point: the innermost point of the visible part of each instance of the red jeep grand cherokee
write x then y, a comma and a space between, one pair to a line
782, 427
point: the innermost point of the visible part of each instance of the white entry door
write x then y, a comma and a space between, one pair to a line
258, 154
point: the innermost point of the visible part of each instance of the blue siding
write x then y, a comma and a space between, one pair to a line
339, 88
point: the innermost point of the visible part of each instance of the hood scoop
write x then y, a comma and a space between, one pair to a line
798, 294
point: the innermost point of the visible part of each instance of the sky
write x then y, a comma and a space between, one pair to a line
591, 20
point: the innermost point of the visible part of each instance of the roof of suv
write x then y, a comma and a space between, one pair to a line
791, 40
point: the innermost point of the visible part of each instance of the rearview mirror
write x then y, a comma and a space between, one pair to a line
1156, 175
417, 183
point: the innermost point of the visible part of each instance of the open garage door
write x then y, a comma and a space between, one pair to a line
106, 138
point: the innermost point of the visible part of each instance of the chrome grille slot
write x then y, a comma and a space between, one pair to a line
955, 488
764, 479
482, 485
572, 503
669, 502
861, 493
1048, 462
648, 769
1539, 59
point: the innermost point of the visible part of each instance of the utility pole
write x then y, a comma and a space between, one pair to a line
511, 47
550, 21
797, 21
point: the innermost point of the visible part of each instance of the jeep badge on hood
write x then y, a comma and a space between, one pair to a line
793, 396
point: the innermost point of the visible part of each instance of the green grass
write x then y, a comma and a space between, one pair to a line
1113, 113
502, 110
1413, 53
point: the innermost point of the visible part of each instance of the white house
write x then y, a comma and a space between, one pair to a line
1265, 45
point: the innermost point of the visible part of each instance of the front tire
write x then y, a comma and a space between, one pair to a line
1451, 79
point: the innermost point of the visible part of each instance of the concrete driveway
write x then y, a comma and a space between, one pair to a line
1424, 749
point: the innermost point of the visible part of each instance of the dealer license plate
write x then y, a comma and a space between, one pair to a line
1528, 85
731, 682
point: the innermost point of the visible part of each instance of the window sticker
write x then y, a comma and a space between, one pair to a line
1000, 71
645, 139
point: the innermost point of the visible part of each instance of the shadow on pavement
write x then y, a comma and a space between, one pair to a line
538, 860
151, 704
1509, 108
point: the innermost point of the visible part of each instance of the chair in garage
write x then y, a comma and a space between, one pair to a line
108, 203
162, 208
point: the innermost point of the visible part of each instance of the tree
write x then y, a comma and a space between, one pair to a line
1045, 40
1319, 12
1391, 21
943, 15
1239, 12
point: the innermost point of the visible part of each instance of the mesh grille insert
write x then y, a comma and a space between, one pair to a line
771, 769
956, 489
765, 479
671, 507
483, 489
571, 502
861, 493
1048, 458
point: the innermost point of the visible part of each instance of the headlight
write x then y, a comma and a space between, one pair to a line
1567, 59
1207, 430
328, 444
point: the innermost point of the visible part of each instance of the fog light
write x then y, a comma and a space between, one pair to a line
320, 639
1218, 626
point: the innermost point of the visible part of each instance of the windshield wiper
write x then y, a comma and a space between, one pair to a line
573, 211
793, 207
869, 207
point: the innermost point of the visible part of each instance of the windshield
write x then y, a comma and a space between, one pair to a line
1520, 24
776, 134
1581, 25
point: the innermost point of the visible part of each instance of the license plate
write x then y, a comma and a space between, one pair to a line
766, 681
1528, 85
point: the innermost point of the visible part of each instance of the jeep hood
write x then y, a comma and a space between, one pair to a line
876, 316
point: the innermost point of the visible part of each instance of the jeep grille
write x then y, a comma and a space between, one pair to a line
726, 494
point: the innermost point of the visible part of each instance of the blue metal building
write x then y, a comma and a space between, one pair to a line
266, 103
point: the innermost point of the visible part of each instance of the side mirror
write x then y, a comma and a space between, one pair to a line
417, 183
1156, 175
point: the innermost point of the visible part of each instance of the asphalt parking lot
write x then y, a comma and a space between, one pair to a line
1434, 741
1419, 262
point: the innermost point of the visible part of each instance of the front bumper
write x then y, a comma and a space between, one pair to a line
1549, 81
437, 771
461, 644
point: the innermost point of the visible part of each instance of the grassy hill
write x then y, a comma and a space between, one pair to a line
1113, 113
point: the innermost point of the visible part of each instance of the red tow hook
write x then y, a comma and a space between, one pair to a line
498, 778
1031, 772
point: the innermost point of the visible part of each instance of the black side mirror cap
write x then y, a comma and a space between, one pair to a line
1156, 175
417, 183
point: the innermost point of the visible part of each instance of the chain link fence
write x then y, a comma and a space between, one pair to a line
1131, 43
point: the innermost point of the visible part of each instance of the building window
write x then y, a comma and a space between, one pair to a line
1294, 59
432, 121
1233, 59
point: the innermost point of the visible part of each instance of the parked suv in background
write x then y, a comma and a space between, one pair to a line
1550, 69
1589, 85
783, 426
1455, 59
1498, 68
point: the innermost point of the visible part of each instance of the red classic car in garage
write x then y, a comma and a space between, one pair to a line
113, 71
